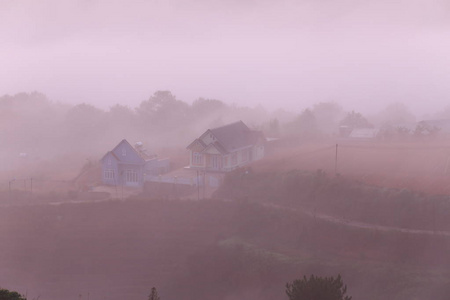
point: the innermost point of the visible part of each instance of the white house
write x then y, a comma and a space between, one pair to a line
226, 148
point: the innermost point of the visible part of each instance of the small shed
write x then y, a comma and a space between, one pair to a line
364, 133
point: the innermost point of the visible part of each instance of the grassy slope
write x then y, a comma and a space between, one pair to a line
200, 250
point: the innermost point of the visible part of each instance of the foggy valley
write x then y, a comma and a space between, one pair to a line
224, 149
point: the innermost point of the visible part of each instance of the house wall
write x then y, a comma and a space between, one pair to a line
130, 174
257, 152
196, 149
208, 138
109, 165
197, 159
226, 162
157, 167
128, 171
126, 153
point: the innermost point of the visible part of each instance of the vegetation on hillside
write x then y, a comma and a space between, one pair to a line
206, 249
317, 288
10, 295
341, 197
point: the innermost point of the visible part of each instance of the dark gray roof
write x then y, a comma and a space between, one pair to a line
235, 135
142, 155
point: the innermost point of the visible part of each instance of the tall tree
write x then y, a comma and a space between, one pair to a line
355, 120
202, 106
395, 113
317, 288
85, 123
304, 126
327, 116
163, 110
153, 295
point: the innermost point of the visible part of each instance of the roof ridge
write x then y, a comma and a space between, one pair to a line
227, 125
131, 146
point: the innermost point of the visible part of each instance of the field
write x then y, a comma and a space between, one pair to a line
204, 250
418, 166
263, 228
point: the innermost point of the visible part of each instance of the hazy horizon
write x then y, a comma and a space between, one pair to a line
278, 54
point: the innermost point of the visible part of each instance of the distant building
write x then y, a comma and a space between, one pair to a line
127, 165
364, 133
226, 148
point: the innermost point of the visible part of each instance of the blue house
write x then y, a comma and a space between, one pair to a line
129, 166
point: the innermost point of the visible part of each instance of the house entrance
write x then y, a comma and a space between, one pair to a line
131, 178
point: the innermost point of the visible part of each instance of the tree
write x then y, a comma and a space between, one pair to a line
163, 110
317, 288
395, 113
85, 123
10, 295
153, 295
304, 126
355, 120
327, 116
202, 107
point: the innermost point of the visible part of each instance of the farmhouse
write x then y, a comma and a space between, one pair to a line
129, 166
226, 148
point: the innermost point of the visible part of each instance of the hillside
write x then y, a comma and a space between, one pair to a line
284, 217
204, 250
421, 165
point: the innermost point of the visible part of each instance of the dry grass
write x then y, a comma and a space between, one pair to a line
416, 166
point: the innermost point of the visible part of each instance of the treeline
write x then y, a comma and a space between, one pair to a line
31, 123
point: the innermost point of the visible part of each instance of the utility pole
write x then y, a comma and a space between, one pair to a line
198, 188
204, 183
335, 161
434, 216
122, 180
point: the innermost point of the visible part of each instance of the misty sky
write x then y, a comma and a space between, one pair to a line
364, 54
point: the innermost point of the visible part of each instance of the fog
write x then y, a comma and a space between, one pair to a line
285, 53
351, 97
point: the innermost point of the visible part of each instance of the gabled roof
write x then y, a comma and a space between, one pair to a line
232, 137
364, 133
196, 141
217, 146
139, 154
112, 153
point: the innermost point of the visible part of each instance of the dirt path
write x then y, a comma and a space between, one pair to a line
362, 225
207, 194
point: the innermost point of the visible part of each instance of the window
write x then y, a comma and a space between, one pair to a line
108, 174
245, 155
234, 159
197, 158
131, 176
124, 152
215, 162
